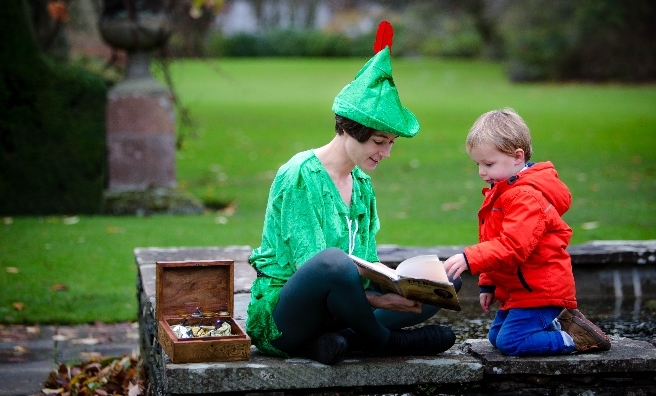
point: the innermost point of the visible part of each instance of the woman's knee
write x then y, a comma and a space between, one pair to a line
334, 263
457, 283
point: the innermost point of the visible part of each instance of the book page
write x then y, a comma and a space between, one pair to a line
423, 267
378, 267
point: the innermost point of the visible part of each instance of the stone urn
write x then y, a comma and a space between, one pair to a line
140, 115
136, 26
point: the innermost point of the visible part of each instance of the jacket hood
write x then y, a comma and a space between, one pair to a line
543, 177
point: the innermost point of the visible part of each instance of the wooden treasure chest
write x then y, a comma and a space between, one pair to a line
195, 308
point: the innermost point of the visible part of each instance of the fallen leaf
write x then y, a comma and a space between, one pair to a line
92, 367
12, 270
115, 230
18, 306
33, 329
90, 355
590, 225
49, 391
71, 220
7, 220
134, 390
230, 209
87, 341
59, 287
19, 350
451, 206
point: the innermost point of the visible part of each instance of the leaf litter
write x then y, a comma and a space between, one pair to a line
101, 376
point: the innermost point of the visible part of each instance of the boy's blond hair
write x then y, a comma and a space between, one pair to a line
504, 129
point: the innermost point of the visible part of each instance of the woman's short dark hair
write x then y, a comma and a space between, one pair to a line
354, 129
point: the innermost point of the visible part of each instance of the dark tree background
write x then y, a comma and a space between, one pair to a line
52, 144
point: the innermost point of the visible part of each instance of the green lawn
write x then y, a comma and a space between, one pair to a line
255, 114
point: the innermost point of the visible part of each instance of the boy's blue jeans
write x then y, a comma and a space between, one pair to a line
527, 332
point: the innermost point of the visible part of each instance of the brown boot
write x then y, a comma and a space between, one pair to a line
587, 336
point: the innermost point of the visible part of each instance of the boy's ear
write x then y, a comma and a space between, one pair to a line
519, 156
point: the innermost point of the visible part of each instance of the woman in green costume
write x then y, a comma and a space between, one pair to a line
308, 298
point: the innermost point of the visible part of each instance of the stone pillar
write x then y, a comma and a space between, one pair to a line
140, 122
141, 146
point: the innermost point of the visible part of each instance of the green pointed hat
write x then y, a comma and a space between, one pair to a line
373, 101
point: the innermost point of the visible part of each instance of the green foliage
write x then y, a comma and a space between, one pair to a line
52, 147
52, 152
428, 30
288, 43
254, 114
590, 39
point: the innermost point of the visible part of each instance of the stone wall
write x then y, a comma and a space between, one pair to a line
472, 367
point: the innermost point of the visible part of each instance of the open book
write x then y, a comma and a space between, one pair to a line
420, 278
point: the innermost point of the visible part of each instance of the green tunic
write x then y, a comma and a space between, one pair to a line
305, 214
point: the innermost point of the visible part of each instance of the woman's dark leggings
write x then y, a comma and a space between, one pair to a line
327, 289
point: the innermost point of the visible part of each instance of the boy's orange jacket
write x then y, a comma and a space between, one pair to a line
522, 241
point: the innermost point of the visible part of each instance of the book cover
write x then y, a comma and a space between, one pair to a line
420, 278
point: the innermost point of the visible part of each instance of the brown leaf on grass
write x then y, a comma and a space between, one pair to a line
229, 209
115, 230
590, 225
59, 287
71, 220
18, 306
451, 206
11, 270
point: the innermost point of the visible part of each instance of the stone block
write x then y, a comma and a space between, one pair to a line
141, 141
625, 355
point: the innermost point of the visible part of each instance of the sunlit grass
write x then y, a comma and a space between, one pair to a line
253, 115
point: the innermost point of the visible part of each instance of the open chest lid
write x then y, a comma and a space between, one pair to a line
191, 287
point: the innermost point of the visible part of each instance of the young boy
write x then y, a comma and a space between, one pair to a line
521, 255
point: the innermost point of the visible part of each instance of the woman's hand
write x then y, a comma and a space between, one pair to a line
393, 302
455, 265
486, 299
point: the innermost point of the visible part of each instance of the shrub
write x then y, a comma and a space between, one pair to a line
52, 152
52, 133
289, 43
587, 39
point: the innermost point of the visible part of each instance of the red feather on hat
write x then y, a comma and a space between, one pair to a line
383, 37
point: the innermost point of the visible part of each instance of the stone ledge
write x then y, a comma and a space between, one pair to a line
591, 253
472, 367
263, 373
625, 355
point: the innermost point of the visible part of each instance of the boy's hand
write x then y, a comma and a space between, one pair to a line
486, 300
455, 265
